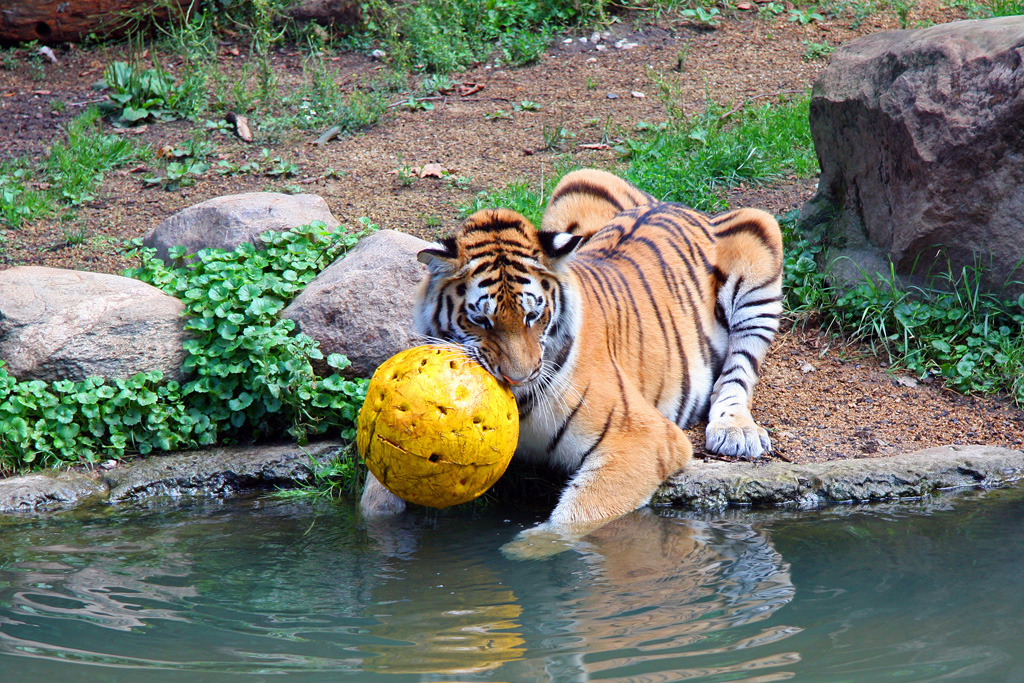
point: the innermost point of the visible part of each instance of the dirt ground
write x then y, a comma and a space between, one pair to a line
821, 399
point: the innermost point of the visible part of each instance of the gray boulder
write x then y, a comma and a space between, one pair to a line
919, 136
361, 305
226, 222
68, 324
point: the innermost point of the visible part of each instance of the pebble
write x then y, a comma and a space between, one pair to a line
601, 47
595, 37
567, 41
807, 367
638, 95
379, 54
611, 96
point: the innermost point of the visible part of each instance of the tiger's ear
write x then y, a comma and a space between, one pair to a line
440, 257
558, 247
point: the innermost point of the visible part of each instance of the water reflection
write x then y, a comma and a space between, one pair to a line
288, 588
641, 592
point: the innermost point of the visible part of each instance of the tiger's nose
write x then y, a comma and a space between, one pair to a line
513, 381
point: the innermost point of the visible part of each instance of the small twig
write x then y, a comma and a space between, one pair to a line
86, 102
756, 97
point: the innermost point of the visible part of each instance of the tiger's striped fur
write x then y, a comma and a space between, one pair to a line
624, 320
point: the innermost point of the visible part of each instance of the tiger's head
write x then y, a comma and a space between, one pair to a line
496, 288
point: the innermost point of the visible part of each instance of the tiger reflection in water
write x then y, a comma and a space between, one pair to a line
641, 589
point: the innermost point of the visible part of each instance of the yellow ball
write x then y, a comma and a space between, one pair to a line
436, 428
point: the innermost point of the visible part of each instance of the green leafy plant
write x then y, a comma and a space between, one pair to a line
436, 83
185, 164
804, 17
523, 47
708, 17
526, 105
250, 374
554, 136
137, 96
414, 104
816, 50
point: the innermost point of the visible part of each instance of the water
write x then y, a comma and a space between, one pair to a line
255, 590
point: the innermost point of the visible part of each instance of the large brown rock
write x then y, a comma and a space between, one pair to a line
228, 221
361, 305
68, 324
919, 134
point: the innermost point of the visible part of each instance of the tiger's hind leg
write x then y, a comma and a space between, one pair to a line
748, 251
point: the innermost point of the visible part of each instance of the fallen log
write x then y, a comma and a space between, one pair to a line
69, 21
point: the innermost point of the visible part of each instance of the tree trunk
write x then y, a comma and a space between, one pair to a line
69, 21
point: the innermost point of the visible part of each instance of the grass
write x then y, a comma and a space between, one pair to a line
444, 36
693, 160
68, 176
951, 330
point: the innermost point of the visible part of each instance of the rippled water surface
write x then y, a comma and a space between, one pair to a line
249, 591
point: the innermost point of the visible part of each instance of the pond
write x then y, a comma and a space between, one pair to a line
252, 590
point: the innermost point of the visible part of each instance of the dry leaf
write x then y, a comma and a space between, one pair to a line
744, 6
807, 367
431, 171
596, 145
907, 381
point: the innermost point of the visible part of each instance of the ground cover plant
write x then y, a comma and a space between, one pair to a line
952, 330
251, 374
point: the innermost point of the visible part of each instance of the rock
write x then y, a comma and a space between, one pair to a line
228, 221
715, 484
216, 472
220, 472
68, 324
361, 305
918, 136
44, 492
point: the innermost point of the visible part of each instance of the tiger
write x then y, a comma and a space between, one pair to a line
622, 321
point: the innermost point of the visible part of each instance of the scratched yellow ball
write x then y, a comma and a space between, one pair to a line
436, 428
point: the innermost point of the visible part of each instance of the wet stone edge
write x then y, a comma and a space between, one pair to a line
234, 471
213, 473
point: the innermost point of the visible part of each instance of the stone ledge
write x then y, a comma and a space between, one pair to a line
227, 472
217, 472
715, 484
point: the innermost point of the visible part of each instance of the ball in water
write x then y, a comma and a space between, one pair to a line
436, 428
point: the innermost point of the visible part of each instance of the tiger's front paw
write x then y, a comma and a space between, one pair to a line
738, 438
538, 543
